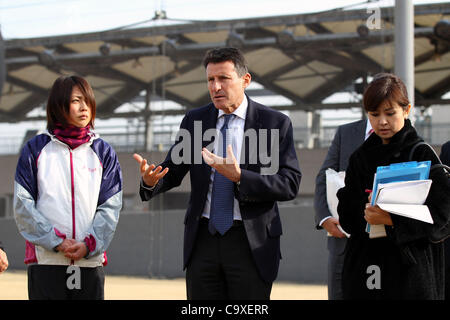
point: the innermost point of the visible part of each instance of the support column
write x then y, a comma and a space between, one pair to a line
404, 44
2, 64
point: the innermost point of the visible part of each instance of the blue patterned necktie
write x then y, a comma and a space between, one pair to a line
222, 196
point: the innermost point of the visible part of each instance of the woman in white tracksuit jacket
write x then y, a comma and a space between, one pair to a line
67, 198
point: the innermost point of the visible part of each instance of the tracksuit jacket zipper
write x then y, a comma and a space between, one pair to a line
73, 196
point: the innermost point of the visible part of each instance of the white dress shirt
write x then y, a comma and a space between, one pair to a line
369, 130
236, 133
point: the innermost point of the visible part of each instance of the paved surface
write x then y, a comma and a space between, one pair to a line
13, 286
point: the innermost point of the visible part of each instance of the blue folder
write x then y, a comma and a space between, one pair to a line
403, 171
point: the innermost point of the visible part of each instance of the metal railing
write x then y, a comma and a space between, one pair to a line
10, 144
134, 141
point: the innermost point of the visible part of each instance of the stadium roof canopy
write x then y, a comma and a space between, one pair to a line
302, 57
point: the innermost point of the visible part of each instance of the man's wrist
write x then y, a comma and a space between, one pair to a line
323, 220
147, 187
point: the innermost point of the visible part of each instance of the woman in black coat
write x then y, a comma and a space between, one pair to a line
405, 264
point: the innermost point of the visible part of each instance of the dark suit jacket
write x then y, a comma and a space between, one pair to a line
348, 137
445, 153
445, 158
257, 194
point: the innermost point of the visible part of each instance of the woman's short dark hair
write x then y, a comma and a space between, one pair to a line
58, 103
227, 54
385, 88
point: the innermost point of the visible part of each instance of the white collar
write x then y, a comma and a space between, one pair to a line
368, 128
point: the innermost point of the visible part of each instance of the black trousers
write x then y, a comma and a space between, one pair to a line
222, 267
335, 268
54, 282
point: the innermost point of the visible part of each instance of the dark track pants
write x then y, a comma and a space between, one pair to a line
53, 282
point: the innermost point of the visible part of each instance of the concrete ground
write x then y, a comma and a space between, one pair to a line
13, 286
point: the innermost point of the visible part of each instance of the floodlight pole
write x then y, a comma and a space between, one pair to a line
2, 64
404, 44
148, 134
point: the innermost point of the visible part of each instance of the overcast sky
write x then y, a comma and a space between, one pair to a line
37, 18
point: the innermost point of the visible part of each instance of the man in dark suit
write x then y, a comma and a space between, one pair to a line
232, 224
445, 158
347, 139
445, 153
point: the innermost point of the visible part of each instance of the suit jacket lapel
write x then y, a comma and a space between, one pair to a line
360, 131
251, 122
209, 121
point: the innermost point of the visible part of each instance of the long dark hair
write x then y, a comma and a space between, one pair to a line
58, 103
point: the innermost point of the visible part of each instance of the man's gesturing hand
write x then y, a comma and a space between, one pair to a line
228, 167
3, 261
149, 174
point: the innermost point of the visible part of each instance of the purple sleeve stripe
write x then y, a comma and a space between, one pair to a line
26, 171
112, 174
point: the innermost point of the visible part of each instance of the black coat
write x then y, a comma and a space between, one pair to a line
445, 158
411, 267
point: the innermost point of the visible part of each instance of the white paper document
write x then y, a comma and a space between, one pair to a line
418, 212
412, 192
377, 231
405, 198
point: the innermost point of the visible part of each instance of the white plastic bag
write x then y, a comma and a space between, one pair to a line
335, 181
